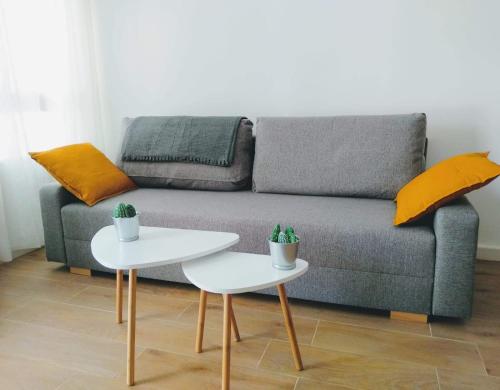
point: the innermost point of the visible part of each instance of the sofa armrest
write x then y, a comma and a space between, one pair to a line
52, 198
456, 228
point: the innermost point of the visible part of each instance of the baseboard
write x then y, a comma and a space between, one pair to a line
488, 252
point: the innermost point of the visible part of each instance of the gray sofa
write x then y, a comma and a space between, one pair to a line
341, 174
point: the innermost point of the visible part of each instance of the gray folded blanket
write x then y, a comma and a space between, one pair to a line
203, 140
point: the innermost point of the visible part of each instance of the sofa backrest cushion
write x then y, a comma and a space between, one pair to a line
360, 156
187, 175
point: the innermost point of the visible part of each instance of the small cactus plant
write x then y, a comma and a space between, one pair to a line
123, 210
289, 230
283, 238
275, 233
286, 237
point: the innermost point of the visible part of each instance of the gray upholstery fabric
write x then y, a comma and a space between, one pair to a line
345, 233
324, 284
361, 156
198, 176
52, 198
338, 273
456, 228
364, 289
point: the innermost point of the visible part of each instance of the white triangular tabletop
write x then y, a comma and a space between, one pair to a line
157, 246
236, 273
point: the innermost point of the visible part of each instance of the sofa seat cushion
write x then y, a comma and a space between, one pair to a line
343, 233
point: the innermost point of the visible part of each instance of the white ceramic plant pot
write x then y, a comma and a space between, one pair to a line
283, 255
127, 229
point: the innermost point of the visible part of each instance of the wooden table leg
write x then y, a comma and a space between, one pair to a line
289, 327
119, 295
202, 308
201, 321
132, 281
226, 343
234, 325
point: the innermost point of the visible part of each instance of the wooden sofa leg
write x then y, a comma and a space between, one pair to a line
80, 271
406, 316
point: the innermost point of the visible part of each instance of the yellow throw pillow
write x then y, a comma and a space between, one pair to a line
442, 183
85, 172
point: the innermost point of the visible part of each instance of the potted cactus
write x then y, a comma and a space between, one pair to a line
283, 247
126, 222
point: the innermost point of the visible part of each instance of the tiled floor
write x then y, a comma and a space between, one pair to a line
58, 331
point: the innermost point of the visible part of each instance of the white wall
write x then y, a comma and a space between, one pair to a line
314, 57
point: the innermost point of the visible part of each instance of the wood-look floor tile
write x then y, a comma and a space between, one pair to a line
67, 349
486, 306
253, 322
180, 338
491, 358
163, 370
329, 312
347, 369
484, 267
36, 254
33, 266
86, 321
365, 318
55, 272
21, 373
486, 283
78, 345
431, 351
99, 298
8, 303
150, 332
306, 384
475, 330
174, 290
171, 371
453, 380
87, 381
38, 287
161, 307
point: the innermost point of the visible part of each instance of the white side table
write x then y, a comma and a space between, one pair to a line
155, 246
230, 273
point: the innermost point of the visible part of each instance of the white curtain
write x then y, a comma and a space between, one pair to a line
49, 96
